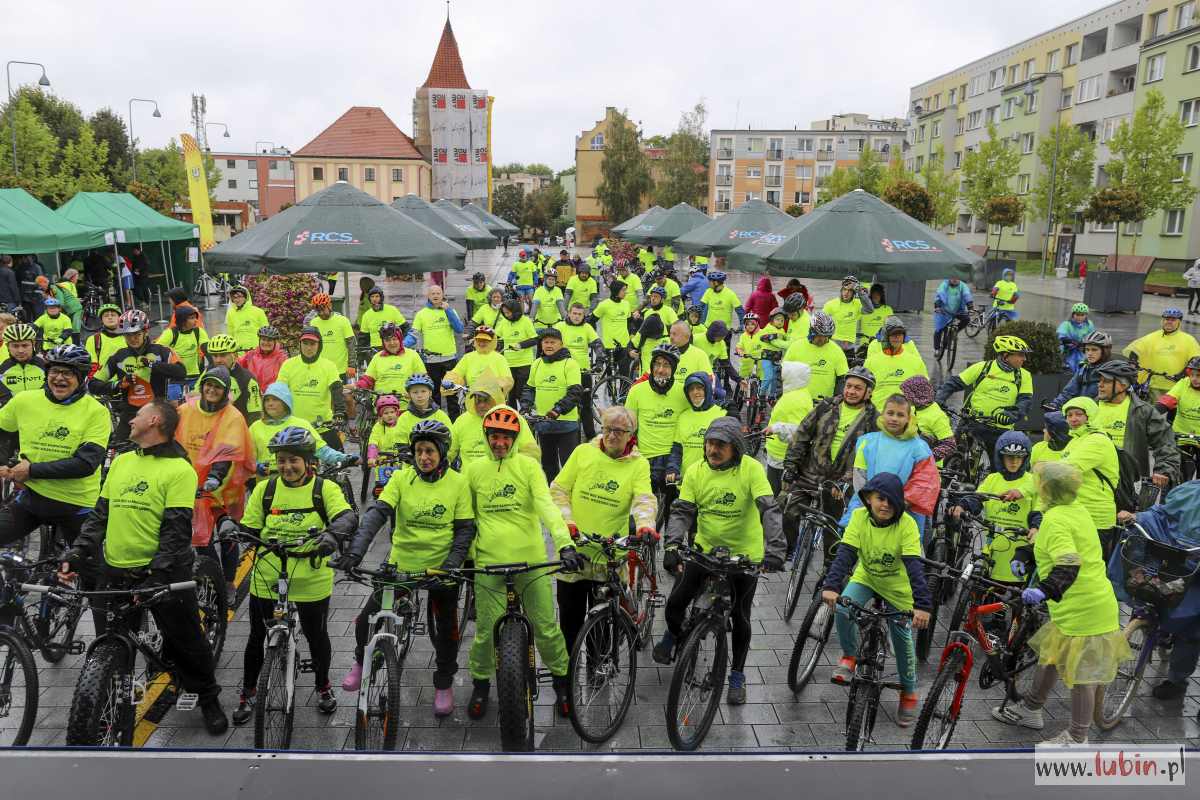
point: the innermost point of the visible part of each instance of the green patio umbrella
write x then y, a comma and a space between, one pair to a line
495, 225
454, 226
632, 222
747, 222
665, 228
339, 229
857, 233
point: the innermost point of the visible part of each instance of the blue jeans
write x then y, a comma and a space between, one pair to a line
1184, 655
901, 630
1005, 316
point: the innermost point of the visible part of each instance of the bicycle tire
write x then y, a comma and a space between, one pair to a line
643, 595
276, 708
368, 478
97, 717
925, 636
950, 354
750, 420
14, 656
611, 391
818, 619
377, 730
975, 324
946, 682
343, 482
1021, 661
1125, 685
213, 601
959, 617
711, 684
55, 623
864, 694
805, 545
605, 647
466, 611
514, 686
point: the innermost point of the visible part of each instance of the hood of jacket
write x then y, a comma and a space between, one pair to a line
764, 285
221, 376
878, 287
487, 382
717, 331
631, 452
514, 308
1007, 438
652, 327
910, 431
728, 429
1089, 407
701, 379
281, 392
888, 485
563, 353
796, 375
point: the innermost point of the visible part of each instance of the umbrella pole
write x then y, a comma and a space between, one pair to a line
118, 263
167, 259
346, 291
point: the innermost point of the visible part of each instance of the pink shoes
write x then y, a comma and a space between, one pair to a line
353, 678
443, 702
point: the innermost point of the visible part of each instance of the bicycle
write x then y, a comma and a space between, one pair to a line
107, 692
517, 677
810, 538
275, 708
1016, 537
949, 351
1189, 452
604, 657
92, 298
47, 626
755, 409
18, 671
699, 675
815, 628
977, 320
1155, 575
867, 684
969, 457
393, 627
339, 474
610, 386
1142, 387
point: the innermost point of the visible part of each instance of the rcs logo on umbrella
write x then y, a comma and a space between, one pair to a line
324, 237
909, 246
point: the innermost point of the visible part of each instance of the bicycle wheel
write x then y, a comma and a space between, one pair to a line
937, 552
343, 482
975, 324
514, 686
810, 643
466, 609
939, 713
750, 410
213, 601
642, 569
959, 617
375, 729
696, 684
864, 694
18, 690
276, 706
611, 391
805, 545
99, 716
951, 345
55, 623
1118, 695
603, 675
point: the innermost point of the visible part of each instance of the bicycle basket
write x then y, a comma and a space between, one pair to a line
1155, 572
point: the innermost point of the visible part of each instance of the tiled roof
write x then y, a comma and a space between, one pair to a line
362, 132
446, 72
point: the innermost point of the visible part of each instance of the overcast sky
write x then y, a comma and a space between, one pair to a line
283, 71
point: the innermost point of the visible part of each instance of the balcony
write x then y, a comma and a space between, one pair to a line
800, 155
1122, 81
724, 179
822, 180
1095, 44
775, 155
724, 152
825, 155
773, 180
721, 205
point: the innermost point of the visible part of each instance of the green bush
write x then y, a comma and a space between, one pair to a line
1046, 358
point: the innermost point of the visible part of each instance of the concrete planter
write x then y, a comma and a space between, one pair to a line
993, 268
1107, 291
1045, 387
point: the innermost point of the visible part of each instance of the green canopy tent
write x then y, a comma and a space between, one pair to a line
632, 222
856, 232
452, 224
747, 222
339, 229
27, 226
495, 225
665, 228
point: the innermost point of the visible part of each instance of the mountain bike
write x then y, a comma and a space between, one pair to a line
814, 523
754, 409
109, 688
364, 419
376, 720
949, 352
610, 386
18, 670
49, 626
604, 658
982, 319
93, 297
517, 676
868, 683
275, 708
815, 627
1145, 376
1189, 454
340, 474
1155, 575
1013, 537
702, 661
970, 456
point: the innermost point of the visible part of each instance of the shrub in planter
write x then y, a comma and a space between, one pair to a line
286, 299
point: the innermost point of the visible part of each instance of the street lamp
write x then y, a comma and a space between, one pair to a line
132, 141
42, 81
222, 124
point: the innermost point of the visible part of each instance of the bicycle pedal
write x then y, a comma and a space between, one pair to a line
418, 628
186, 701
306, 665
77, 647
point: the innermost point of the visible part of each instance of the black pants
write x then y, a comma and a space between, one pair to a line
586, 416
621, 361
226, 555
658, 483
520, 376
574, 599
556, 448
1193, 299
437, 371
938, 336
1109, 538
314, 623
775, 478
689, 585
19, 518
442, 622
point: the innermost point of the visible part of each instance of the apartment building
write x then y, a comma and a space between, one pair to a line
786, 167
263, 180
1091, 72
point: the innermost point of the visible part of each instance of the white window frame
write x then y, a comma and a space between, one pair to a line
1088, 89
1052, 61
824, 170
1156, 68
1185, 15
991, 115
1158, 24
1189, 112
1023, 184
750, 144
958, 156
825, 144
1014, 72
1031, 103
1019, 228
1027, 140
1179, 215
368, 174
804, 172
1191, 58
597, 142
936, 130
1185, 167
1030, 68
1066, 98
1072, 54
960, 125
1104, 227
753, 172
977, 85
804, 144
231, 183
996, 78
1010, 106
1133, 228
975, 120
252, 184
954, 96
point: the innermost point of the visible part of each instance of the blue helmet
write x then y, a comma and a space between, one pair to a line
1172, 313
295, 440
717, 275
419, 379
51, 302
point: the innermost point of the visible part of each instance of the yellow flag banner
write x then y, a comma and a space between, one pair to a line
193, 164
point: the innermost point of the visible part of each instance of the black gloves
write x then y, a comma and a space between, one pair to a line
346, 561
328, 544
572, 561
671, 559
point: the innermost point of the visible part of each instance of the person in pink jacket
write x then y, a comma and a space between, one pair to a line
264, 361
762, 300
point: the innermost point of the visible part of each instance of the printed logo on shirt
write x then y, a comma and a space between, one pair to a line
667, 413
437, 511
59, 433
606, 486
1013, 507
507, 490
727, 499
139, 488
822, 363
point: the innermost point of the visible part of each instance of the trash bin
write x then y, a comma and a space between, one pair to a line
905, 296
1109, 291
338, 304
993, 268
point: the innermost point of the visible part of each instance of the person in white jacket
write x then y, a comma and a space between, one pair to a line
1192, 276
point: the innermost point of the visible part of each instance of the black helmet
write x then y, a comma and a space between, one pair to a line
71, 356
295, 440
793, 303
863, 374
434, 432
1118, 369
478, 276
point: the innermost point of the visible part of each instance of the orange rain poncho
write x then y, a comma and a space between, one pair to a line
209, 438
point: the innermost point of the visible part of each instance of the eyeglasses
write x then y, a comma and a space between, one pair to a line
615, 431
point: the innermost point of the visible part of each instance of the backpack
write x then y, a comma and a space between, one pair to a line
983, 373
1125, 491
318, 499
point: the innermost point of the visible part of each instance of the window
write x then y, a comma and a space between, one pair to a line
776, 145
977, 85
802, 197
883, 145
1052, 61
343, 173
597, 142
773, 198
1185, 166
272, 164
1088, 90
804, 172
1013, 73
1010, 105
1111, 126
993, 113
1191, 61
920, 163
1104, 227
936, 130
1019, 228
1022, 184
957, 159
1031, 103
756, 144
921, 133
1185, 14
1189, 111
1030, 68
753, 172
253, 184
959, 125
232, 183
318, 173
804, 145
1133, 228
1158, 24
953, 97
1173, 222
964, 223
252, 163
231, 163
751, 196
974, 120
1072, 54
996, 79
397, 175
857, 145
1064, 101
369, 174
825, 145
1027, 143
1155, 67
725, 143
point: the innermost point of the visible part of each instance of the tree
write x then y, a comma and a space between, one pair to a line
1005, 211
1072, 172
625, 175
110, 129
685, 179
987, 172
543, 207
1114, 205
62, 117
568, 171
151, 196
162, 168
1144, 159
508, 202
539, 169
657, 140
942, 188
37, 151
794, 210
894, 174
911, 198
868, 174
83, 164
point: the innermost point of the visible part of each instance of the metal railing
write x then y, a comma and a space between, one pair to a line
724, 152
775, 155
825, 155
724, 179
774, 180
721, 205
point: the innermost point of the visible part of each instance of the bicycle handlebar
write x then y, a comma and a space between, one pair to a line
717, 562
63, 591
846, 602
968, 575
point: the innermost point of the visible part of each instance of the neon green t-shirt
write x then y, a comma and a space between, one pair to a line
188, 347
614, 322
310, 385
550, 381
1042, 452
1006, 292
262, 431
657, 416
512, 333
390, 372
548, 300
334, 332
1187, 407
827, 362
108, 346
998, 389
424, 517
1088, 606
689, 433
472, 365
578, 339
49, 431
892, 370
1014, 514
880, 555
371, 321
437, 335
721, 305
726, 511
1111, 420
793, 406
243, 324
525, 270
55, 330
846, 418
845, 318
750, 346
139, 488
870, 323
584, 291
403, 428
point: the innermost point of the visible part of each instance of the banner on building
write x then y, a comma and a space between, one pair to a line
458, 132
193, 164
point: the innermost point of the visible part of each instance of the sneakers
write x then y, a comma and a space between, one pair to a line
1065, 739
326, 702
1018, 714
443, 702
736, 696
844, 671
477, 705
245, 709
907, 711
215, 721
562, 696
353, 678
1169, 690
663, 649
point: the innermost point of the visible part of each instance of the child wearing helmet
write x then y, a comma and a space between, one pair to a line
244, 392
385, 435
277, 415
1071, 333
265, 360
420, 390
23, 368
102, 344
823, 355
55, 326
243, 319
392, 366
1005, 295
749, 349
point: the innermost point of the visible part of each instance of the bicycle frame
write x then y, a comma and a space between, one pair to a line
387, 624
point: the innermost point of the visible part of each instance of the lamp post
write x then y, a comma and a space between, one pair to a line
1029, 95
220, 124
132, 141
42, 81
